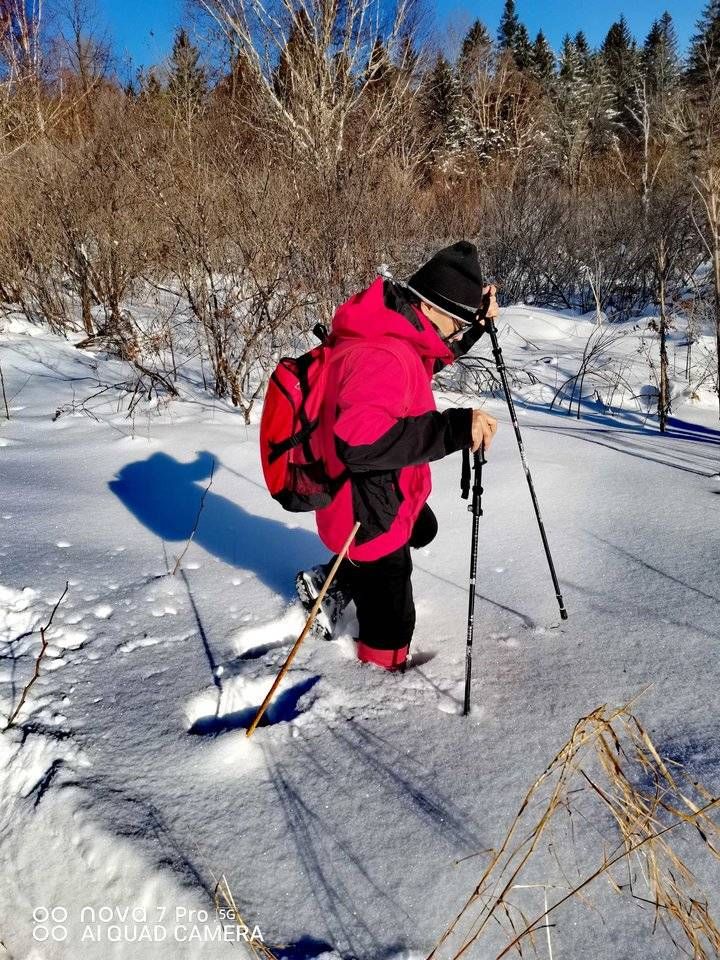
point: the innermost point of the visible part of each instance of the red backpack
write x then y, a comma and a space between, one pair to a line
292, 463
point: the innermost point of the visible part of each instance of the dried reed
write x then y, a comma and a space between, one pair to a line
224, 900
625, 811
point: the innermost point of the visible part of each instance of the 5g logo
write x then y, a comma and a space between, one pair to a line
49, 924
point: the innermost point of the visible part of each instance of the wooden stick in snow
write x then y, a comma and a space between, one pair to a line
306, 629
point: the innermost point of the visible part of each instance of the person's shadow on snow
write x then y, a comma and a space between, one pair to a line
165, 496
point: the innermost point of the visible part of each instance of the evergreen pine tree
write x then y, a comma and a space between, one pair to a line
583, 50
187, 80
513, 37
661, 62
476, 62
621, 62
446, 121
380, 74
522, 48
509, 26
240, 82
705, 45
475, 46
294, 58
543, 60
583, 118
409, 57
618, 49
570, 65
148, 85
378, 66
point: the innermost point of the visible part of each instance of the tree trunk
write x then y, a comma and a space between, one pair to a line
711, 199
86, 301
716, 282
81, 259
664, 395
4, 395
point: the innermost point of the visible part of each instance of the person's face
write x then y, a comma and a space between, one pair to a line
446, 324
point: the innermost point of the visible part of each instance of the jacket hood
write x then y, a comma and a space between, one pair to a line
366, 316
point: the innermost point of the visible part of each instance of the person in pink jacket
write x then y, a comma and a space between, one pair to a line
380, 430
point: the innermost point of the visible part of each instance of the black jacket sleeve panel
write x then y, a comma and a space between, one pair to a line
461, 346
468, 340
410, 441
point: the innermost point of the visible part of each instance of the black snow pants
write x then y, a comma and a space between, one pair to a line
382, 589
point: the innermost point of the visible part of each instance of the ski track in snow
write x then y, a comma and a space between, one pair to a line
129, 780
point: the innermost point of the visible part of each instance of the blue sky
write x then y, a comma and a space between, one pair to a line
143, 29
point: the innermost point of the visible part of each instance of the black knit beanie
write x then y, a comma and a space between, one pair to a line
451, 281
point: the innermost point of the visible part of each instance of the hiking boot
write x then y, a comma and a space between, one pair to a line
308, 584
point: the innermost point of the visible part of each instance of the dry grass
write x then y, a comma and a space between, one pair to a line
224, 900
612, 801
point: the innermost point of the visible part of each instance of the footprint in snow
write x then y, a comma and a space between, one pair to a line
69, 639
135, 643
163, 611
241, 684
235, 704
505, 639
253, 642
54, 663
148, 640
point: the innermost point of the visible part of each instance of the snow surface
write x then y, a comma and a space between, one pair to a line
128, 782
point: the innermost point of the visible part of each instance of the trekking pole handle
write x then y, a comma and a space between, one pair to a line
478, 463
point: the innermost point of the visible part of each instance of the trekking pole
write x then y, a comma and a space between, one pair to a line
306, 629
502, 371
476, 508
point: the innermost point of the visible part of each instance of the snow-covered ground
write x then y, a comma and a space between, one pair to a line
128, 786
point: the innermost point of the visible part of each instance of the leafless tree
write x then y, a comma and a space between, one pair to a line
506, 110
22, 116
652, 170
671, 244
596, 364
322, 71
700, 125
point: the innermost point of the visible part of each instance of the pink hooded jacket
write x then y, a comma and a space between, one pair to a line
379, 423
